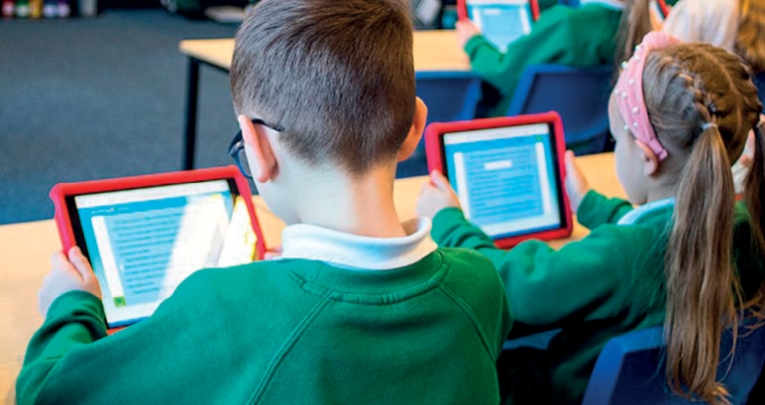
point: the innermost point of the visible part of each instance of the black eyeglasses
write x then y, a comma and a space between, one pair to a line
236, 149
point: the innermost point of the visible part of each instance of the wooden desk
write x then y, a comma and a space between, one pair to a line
433, 50
25, 251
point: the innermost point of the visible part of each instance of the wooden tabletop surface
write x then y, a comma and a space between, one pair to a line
25, 251
433, 50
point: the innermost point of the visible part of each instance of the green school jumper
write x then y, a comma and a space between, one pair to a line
609, 283
285, 332
580, 37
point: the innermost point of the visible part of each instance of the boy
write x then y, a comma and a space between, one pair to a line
359, 309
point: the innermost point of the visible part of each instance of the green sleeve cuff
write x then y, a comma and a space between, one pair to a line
596, 209
78, 306
445, 222
474, 43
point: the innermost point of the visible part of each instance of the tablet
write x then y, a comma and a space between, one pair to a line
144, 235
501, 21
508, 174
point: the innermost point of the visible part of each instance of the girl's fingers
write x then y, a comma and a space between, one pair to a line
439, 180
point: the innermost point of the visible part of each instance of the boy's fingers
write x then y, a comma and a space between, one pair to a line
80, 262
57, 260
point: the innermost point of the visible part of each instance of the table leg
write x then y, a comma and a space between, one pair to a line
192, 98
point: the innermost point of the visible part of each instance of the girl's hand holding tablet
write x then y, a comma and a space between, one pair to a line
466, 30
436, 195
576, 183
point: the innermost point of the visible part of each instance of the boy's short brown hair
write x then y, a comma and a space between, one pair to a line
337, 75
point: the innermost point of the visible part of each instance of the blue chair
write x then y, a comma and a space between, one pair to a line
630, 369
579, 95
570, 3
759, 80
450, 96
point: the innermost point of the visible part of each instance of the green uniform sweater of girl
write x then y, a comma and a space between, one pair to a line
607, 284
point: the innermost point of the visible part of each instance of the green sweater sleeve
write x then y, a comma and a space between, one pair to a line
596, 210
586, 278
70, 359
74, 318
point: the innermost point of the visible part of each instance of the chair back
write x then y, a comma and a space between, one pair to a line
630, 369
450, 96
759, 80
579, 95
570, 3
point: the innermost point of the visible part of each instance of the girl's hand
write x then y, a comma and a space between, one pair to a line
657, 20
67, 274
466, 30
436, 195
576, 183
272, 253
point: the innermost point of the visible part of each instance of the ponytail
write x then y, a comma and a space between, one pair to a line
699, 270
634, 25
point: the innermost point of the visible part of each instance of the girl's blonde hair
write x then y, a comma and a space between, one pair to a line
750, 43
702, 103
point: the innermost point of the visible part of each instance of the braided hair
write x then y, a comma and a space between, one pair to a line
702, 104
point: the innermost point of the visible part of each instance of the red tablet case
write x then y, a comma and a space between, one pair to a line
62, 190
463, 14
434, 151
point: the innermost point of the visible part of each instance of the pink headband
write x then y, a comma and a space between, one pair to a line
629, 92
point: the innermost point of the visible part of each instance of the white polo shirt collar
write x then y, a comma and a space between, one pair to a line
302, 241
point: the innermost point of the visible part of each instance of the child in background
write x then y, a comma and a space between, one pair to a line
359, 309
680, 115
735, 25
596, 33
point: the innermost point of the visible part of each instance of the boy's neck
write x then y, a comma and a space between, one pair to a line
360, 206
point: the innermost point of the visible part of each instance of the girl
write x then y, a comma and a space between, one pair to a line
596, 33
680, 115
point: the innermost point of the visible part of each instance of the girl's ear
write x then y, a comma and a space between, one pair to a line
415, 132
262, 160
650, 161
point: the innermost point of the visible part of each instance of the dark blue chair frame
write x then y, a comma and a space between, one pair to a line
759, 80
579, 95
630, 369
450, 96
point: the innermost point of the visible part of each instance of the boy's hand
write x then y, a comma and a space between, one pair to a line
67, 274
576, 183
466, 30
436, 195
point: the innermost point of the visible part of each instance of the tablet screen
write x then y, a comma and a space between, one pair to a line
501, 21
143, 242
506, 178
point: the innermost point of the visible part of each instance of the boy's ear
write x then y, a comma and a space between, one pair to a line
415, 132
650, 161
262, 160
